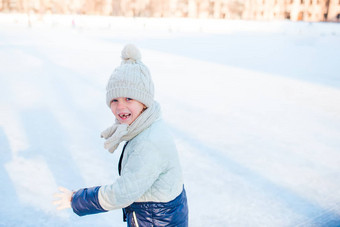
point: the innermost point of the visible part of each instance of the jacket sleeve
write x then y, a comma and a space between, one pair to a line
141, 169
85, 201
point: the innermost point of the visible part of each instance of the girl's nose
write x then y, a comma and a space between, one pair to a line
120, 105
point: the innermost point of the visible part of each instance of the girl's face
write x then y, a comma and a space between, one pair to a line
126, 110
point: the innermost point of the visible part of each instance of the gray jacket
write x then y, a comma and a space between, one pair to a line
150, 171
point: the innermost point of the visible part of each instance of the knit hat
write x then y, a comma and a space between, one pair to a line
131, 79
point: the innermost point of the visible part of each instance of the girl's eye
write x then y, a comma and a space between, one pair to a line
129, 99
114, 100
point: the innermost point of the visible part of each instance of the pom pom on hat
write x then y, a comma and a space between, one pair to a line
131, 79
130, 53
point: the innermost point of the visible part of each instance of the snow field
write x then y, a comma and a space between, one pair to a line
254, 110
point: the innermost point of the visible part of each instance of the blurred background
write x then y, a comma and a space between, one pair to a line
296, 10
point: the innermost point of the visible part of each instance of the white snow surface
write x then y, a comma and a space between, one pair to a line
254, 108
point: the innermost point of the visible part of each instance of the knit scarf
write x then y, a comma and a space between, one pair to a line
117, 133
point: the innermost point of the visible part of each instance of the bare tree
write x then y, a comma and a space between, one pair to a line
236, 8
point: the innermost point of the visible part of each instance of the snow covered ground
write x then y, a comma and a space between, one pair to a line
254, 108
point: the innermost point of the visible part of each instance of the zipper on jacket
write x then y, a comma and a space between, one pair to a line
135, 219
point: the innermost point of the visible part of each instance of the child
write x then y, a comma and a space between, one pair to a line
150, 187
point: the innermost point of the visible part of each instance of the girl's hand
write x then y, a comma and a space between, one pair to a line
63, 198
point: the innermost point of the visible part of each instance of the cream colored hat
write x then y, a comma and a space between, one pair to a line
131, 79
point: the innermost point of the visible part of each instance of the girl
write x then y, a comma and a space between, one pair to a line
150, 187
